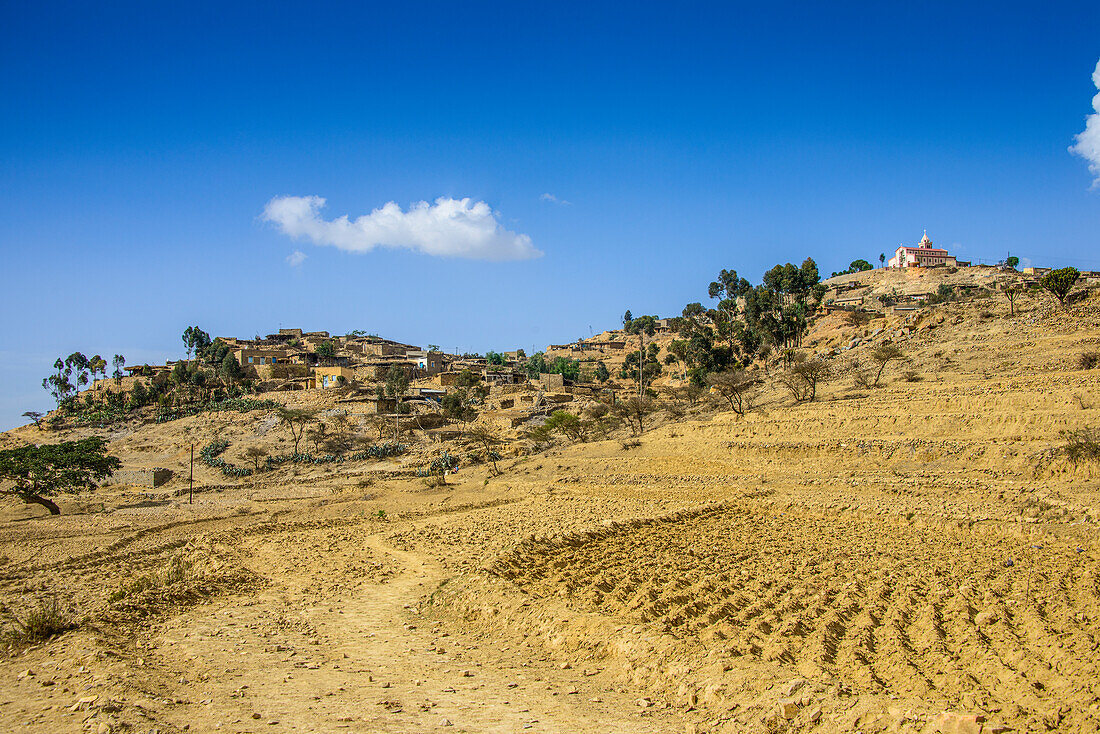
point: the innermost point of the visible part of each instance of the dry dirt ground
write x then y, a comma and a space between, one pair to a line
865, 562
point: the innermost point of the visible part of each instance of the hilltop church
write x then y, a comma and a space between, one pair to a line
921, 256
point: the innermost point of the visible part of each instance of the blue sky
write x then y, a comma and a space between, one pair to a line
141, 143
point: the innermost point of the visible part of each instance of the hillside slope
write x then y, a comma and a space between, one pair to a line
863, 562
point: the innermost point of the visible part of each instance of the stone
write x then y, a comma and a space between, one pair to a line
953, 722
793, 686
788, 708
445, 722
987, 617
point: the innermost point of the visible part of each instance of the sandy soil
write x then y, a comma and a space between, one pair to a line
866, 562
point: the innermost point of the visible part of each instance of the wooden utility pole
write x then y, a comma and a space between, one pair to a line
191, 481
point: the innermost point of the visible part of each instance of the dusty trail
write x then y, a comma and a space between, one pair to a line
361, 659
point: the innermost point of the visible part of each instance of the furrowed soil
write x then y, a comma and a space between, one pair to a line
919, 556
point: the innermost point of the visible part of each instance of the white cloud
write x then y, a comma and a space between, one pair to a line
1088, 141
296, 258
554, 199
447, 228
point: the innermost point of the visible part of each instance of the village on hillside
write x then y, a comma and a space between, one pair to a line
520, 387
641, 514
793, 331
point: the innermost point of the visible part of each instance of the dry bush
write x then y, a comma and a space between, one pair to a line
631, 443
689, 393
862, 375
803, 377
539, 436
635, 410
737, 387
1088, 360
41, 623
857, 318
912, 376
599, 419
1082, 444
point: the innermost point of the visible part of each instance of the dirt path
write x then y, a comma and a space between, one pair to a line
355, 655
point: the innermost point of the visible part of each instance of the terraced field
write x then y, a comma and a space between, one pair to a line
973, 615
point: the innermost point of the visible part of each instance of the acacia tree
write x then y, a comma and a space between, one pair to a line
1060, 282
803, 377
318, 435
296, 420
884, 354
38, 472
342, 437
257, 455
485, 436
737, 387
634, 410
35, 416
567, 424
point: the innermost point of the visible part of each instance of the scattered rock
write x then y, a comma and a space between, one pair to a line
987, 617
788, 708
951, 722
794, 686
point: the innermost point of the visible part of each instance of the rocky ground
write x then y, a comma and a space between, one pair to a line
917, 557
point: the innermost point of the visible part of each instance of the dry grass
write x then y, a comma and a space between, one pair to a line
46, 620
